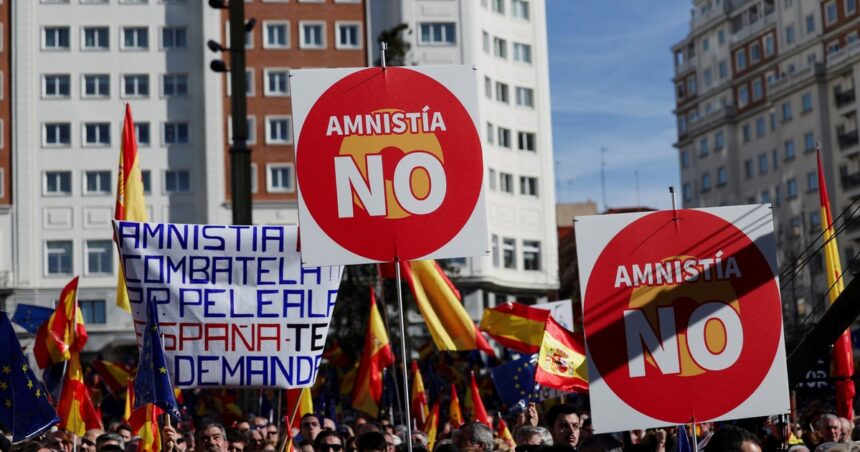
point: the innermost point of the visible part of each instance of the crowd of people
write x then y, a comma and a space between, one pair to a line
562, 427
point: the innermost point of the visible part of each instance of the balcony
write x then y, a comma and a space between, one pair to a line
851, 180
844, 98
844, 54
847, 139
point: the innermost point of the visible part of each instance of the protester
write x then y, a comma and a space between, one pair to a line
370, 442
109, 439
474, 436
236, 441
733, 439
528, 435
328, 441
829, 429
125, 431
563, 424
310, 427
212, 438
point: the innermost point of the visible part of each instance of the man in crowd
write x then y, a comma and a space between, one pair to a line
212, 438
310, 427
474, 435
564, 425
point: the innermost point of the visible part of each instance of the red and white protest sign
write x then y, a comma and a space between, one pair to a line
389, 164
682, 316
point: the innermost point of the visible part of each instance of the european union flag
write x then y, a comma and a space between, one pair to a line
31, 317
24, 406
515, 381
683, 440
152, 384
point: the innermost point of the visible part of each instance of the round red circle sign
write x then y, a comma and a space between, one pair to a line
389, 164
682, 318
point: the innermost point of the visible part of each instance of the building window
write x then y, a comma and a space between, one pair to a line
491, 176
526, 141
56, 85
723, 69
706, 45
748, 169
755, 53
488, 87
809, 141
97, 85
757, 90
141, 132
99, 256
687, 192
57, 134
722, 179
55, 38
522, 53
58, 183
176, 133
707, 77
146, 179
506, 183
719, 141
741, 60
491, 133
706, 182
850, 7
745, 133
97, 134
174, 38
97, 183
531, 255
509, 253
528, 186
812, 181
498, 6
789, 34
520, 9
792, 188
500, 48
495, 243
789, 150
830, 16
525, 97
312, 35
58, 257
96, 38
177, 181
815, 223
762, 164
810, 24
280, 178
278, 130
135, 85
175, 85
806, 103
502, 94
703, 147
277, 84
276, 35
485, 41
685, 159
743, 96
438, 33
504, 137
769, 47
765, 197
760, 127
135, 38
348, 35
93, 311
786, 111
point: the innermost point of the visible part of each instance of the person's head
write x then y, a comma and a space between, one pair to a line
419, 437
88, 441
474, 435
306, 445
109, 438
601, 443
236, 440
391, 441
734, 439
830, 428
847, 426
243, 427
371, 442
125, 431
328, 424
563, 425
310, 426
272, 433
212, 438
59, 440
369, 427
259, 422
328, 441
528, 435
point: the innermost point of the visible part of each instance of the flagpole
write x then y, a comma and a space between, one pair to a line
406, 401
693, 434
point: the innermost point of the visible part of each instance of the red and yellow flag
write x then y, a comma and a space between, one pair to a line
561, 363
144, 423
75, 408
455, 416
130, 204
420, 407
114, 375
439, 302
516, 326
504, 432
64, 332
432, 426
377, 355
843, 358
129, 400
479, 413
299, 401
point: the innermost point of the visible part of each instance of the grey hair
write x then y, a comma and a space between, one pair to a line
205, 427
476, 433
527, 431
825, 418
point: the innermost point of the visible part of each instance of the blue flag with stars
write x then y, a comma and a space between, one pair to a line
31, 317
24, 406
515, 381
152, 384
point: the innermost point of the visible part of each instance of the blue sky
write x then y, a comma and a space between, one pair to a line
610, 75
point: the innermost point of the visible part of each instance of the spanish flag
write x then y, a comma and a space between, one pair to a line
420, 408
299, 403
144, 423
561, 363
439, 302
129, 400
114, 375
479, 413
130, 204
843, 358
377, 355
516, 326
504, 432
455, 416
64, 332
75, 408
347, 382
432, 426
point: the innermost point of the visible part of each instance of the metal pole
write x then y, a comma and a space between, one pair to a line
240, 154
695, 439
406, 402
